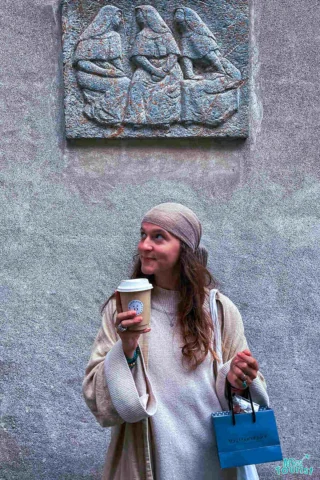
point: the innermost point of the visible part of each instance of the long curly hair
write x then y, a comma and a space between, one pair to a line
194, 320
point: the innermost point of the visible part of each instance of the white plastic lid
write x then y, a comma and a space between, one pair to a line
135, 285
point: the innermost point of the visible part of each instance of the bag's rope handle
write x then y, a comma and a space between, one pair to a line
218, 347
216, 325
254, 418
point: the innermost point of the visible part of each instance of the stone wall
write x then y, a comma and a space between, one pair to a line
69, 218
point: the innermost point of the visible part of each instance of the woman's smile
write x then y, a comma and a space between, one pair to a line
147, 259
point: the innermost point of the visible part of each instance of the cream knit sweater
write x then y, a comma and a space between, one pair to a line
177, 401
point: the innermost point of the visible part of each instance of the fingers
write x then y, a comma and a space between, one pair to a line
243, 367
236, 378
251, 362
246, 352
135, 333
130, 315
243, 374
246, 370
129, 322
129, 319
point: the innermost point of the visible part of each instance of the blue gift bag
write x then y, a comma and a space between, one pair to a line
246, 438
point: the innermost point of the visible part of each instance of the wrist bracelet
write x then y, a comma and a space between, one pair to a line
132, 361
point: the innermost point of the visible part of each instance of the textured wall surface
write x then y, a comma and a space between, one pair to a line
69, 225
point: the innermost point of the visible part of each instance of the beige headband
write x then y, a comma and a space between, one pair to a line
178, 220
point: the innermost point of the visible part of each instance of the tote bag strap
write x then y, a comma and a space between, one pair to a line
216, 326
247, 472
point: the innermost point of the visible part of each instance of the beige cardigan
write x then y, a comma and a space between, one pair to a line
129, 453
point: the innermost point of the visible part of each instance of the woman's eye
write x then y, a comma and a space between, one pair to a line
157, 236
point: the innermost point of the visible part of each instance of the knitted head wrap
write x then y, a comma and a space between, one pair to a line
182, 223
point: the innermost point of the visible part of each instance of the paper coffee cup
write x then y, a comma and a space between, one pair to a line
136, 295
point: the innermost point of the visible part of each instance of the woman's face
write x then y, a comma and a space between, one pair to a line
117, 19
159, 250
179, 15
140, 17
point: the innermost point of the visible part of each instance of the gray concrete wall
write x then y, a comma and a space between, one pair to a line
69, 219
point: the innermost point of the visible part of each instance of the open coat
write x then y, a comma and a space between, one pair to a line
124, 400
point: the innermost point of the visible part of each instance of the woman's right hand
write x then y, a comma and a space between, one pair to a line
243, 367
154, 78
160, 73
129, 338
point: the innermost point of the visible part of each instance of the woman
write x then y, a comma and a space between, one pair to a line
154, 95
199, 46
160, 409
100, 74
210, 96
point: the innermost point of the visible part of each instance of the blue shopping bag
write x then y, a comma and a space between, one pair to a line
246, 438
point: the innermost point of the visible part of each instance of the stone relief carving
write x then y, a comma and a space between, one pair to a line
135, 71
98, 62
212, 96
154, 94
198, 44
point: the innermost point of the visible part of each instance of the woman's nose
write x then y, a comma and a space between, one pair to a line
145, 244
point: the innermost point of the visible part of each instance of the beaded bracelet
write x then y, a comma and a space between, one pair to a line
132, 361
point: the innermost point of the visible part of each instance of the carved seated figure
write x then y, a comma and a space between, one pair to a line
100, 75
209, 96
154, 94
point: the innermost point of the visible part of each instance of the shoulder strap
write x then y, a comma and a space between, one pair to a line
216, 325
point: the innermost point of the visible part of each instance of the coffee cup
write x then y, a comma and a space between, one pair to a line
135, 295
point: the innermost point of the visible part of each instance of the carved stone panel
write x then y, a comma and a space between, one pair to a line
162, 69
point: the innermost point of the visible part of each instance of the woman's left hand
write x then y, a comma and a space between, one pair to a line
158, 75
243, 368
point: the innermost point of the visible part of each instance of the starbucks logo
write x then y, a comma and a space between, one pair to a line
136, 305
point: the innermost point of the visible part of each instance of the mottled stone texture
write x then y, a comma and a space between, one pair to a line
166, 69
69, 224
